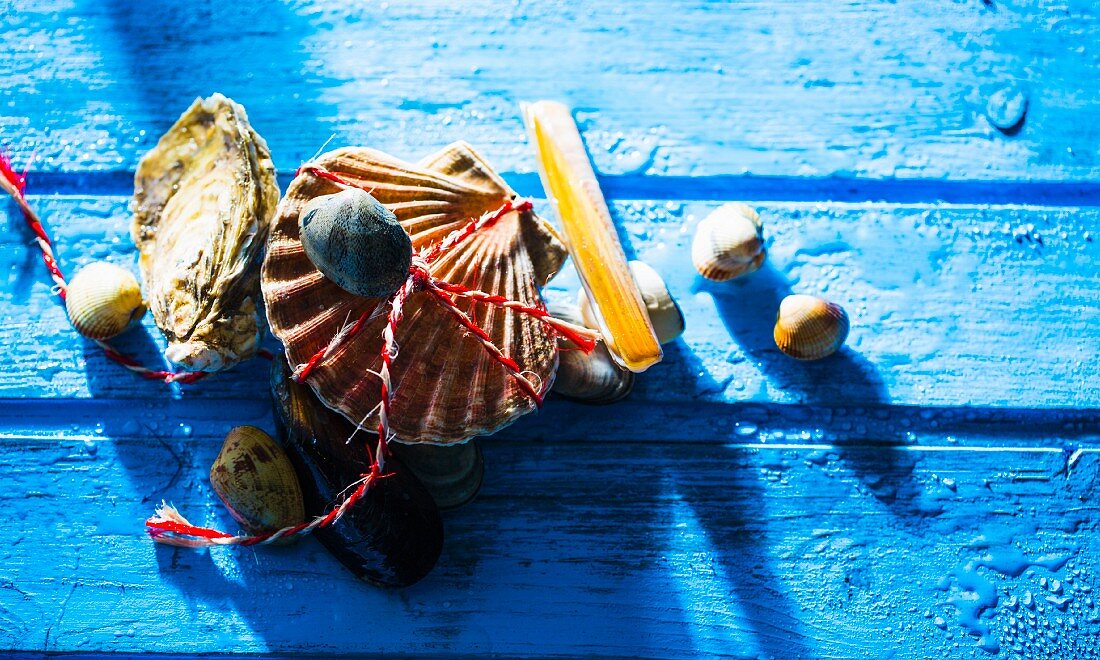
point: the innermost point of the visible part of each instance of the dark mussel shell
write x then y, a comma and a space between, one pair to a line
451, 473
394, 535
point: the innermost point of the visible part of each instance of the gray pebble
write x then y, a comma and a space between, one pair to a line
356, 242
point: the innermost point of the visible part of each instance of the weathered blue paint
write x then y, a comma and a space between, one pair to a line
927, 493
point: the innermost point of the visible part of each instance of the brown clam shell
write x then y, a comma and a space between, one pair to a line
103, 300
594, 377
447, 389
255, 480
729, 243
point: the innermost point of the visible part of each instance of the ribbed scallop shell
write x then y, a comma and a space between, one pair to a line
255, 480
203, 200
102, 300
448, 389
728, 243
809, 328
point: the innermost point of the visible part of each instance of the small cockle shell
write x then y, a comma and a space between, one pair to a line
809, 328
203, 201
590, 378
394, 535
103, 300
451, 473
664, 313
728, 243
356, 242
254, 478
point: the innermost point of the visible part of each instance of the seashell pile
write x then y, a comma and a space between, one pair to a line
203, 200
728, 243
205, 206
255, 480
391, 538
809, 328
449, 389
102, 300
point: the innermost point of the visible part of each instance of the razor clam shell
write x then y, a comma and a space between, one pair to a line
203, 201
447, 388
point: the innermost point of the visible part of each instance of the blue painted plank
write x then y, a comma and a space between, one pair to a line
824, 549
877, 89
934, 292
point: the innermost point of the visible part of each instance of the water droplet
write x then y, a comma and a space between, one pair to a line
1006, 107
745, 429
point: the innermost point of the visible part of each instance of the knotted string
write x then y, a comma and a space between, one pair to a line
168, 526
16, 185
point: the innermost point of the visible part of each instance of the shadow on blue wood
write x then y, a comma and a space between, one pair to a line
212, 51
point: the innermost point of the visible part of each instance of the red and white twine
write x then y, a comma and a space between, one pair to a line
16, 185
168, 526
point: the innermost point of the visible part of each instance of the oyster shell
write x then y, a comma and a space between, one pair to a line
447, 389
203, 201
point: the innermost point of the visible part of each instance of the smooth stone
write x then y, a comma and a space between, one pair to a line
356, 242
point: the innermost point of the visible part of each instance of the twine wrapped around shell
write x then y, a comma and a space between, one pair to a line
448, 390
203, 198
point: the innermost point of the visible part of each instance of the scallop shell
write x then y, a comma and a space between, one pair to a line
447, 388
809, 328
664, 313
255, 480
728, 243
203, 200
102, 300
390, 538
452, 474
593, 377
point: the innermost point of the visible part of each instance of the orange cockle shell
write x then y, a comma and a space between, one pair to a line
447, 388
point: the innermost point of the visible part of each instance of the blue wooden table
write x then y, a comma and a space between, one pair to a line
929, 492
